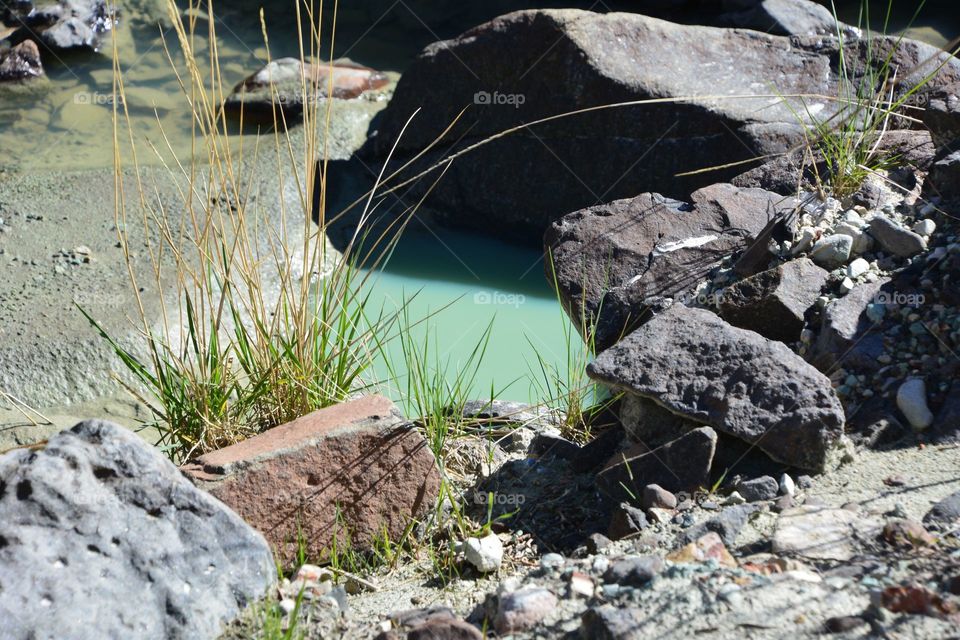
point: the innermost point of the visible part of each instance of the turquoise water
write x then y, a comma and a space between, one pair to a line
463, 284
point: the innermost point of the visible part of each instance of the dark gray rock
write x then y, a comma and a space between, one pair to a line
633, 571
613, 622
597, 542
695, 364
946, 424
20, 62
626, 520
647, 422
787, 18
946, 511
757, 489
844, 321
102, 537
546, 445
681, 465
944, 178
942, 117
63, 25
611, 260
895, 239
727, 524
785, 173
775, 302
499, 70
874, 424
596, 452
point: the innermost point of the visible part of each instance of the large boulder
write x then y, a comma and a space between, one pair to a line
786, 18
693, 363
610, 261
530, 65
350, 472
102, 537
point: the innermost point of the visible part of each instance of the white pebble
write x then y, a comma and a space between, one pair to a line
734, 498
787, 485
857, 268
846, 286
925, 227
485, 553
912, 401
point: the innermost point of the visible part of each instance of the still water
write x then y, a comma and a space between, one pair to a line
66, 122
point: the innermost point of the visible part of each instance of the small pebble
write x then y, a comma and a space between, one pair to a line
857, 268
552, 561
787, 486
734, 498
486, 554
912, 402
925, 227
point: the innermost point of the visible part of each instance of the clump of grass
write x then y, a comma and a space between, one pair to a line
260, 321
565, 389
273, 623
849, 141
434, 389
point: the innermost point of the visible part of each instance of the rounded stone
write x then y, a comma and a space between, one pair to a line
912, 402
485, 553
832, 251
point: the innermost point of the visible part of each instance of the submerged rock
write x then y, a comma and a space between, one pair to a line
758, 390
102, 537
20, 62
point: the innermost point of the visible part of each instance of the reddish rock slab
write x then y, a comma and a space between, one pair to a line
289, 84
360, 459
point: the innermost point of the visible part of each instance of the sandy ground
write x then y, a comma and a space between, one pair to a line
59, 249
